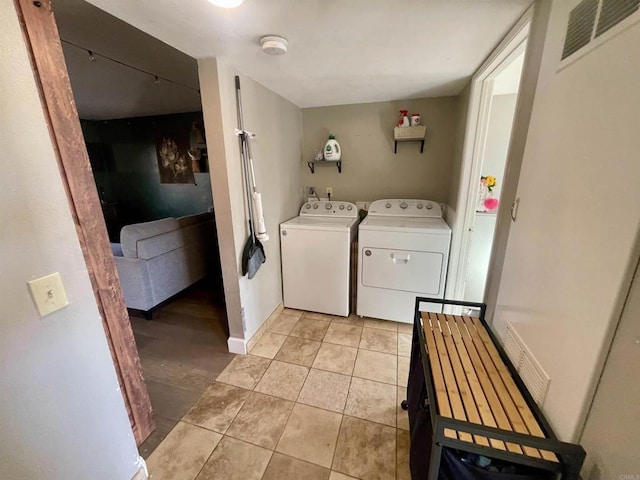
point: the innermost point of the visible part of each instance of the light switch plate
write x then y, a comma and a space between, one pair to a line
48, 293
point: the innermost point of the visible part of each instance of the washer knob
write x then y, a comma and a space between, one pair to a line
420, 206
315, 206
328, 206
307, 206
404, 205
429, 206
349, 207
341, 207
388, 205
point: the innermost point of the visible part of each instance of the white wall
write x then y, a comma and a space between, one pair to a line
568, 252
61, 411
277, 153
611, 435
498, 136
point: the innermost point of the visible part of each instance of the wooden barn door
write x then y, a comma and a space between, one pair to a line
49, 69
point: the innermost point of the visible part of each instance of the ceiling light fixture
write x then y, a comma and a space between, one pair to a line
227, 3
92, 57
274, 45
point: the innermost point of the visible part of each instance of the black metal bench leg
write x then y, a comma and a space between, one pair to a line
434, 463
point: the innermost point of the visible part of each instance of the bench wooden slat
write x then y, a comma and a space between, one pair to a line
468, 401
489, 391
449, 377
513, 414
514, 391
478, 394
442, 397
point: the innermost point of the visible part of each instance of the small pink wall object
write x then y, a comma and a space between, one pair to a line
491, 203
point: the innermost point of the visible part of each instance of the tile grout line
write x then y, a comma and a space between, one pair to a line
271, 360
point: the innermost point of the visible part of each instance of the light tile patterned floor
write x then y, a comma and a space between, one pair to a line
317, 398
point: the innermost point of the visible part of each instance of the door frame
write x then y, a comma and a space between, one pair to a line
54, 87
513, 44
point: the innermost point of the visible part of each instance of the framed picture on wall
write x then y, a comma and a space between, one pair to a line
174, 162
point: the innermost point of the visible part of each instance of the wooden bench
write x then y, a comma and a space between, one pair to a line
477, 401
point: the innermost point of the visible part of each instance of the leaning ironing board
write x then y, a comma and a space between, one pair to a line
465, 394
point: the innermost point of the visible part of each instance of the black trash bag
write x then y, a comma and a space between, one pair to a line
452, 467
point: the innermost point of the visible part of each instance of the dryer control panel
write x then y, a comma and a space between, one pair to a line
329, 209
405, 208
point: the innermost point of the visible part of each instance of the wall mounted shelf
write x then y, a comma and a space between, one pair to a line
409, 134
312, 164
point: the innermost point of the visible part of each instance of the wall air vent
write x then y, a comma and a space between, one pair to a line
591, 19
532, 374
580, 28
613, 12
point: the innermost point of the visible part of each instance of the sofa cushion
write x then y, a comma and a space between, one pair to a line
188, 220
142, 240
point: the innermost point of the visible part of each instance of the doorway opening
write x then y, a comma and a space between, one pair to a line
492, 107
493, 159
135, 95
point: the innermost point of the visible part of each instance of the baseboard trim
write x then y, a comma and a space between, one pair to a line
237, 345
264, 327
142, 473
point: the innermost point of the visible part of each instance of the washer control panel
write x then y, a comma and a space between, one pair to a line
406, 208
331, 209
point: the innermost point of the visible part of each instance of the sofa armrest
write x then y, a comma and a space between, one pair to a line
135, 282
116, 249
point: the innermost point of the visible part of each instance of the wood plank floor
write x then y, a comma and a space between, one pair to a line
182, 350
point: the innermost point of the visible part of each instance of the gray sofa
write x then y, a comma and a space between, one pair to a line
156, 260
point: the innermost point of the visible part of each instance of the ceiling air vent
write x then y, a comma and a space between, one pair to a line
580, 28
613, 12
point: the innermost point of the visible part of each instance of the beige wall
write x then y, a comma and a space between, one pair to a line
568, 253
461, 125
370, 169
277, 155
61, 410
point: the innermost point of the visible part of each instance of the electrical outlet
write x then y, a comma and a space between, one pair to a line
329, 192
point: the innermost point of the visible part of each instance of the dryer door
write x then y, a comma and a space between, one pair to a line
404, 270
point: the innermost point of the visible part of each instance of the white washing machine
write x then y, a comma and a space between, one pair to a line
403, 250
316, 257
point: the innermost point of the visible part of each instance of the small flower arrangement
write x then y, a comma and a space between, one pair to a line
489, 181
486, 202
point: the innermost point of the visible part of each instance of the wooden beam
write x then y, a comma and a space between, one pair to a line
45, 50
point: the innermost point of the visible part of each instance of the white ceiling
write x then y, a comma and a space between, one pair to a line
105, 89
340, 51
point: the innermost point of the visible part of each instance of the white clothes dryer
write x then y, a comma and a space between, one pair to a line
403, 251
316, 257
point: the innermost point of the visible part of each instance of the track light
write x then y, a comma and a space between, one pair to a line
157, 80
92, 58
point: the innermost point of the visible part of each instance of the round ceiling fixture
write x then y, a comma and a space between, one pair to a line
227, 3
274, 45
